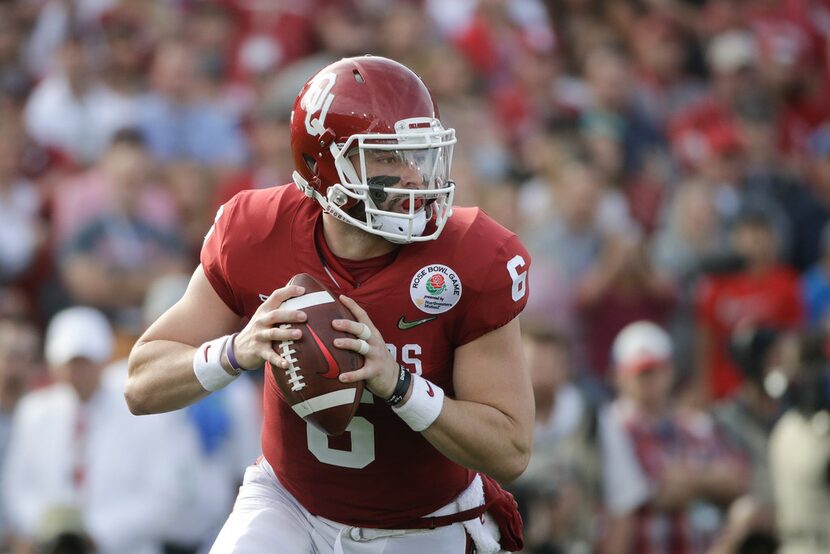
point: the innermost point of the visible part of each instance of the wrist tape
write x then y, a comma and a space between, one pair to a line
207, 365
424, 404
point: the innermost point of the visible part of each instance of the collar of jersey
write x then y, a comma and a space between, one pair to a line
345, 269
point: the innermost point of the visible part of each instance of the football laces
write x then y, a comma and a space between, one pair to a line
292, 371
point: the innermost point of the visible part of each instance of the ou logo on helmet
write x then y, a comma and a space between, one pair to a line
318, 98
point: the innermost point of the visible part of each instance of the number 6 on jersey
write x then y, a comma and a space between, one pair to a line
519, 278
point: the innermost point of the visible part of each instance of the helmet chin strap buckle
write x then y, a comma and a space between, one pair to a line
302, 184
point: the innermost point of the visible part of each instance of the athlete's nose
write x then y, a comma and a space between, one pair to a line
411, 177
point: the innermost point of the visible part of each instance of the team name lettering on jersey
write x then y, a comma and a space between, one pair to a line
410, 356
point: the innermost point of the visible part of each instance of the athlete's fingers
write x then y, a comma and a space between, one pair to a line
282, 316
355, 345
365, 333
360, 330
270, 355
281, 295
279, 334
363, 374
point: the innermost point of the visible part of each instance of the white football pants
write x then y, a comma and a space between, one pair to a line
267, 519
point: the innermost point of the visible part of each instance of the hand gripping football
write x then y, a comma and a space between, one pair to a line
310, 383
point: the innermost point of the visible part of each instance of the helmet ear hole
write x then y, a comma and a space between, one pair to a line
310, 163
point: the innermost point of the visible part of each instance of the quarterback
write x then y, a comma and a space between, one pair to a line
433, 289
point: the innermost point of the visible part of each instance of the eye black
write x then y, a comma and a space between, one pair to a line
378, 184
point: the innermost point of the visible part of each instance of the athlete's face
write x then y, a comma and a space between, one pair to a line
400, 169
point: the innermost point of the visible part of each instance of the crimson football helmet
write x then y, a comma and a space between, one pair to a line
366, 130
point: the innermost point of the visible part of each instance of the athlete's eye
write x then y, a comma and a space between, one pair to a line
388, 159
378, 195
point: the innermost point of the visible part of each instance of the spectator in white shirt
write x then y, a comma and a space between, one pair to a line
74, 112
23, 230
75, 445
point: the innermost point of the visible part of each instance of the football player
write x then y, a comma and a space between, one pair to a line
435, 292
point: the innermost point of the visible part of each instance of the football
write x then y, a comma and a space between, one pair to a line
310, 383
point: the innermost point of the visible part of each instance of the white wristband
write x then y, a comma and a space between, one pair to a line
424, 404
207, 365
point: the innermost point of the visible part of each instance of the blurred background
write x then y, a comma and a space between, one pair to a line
666, 162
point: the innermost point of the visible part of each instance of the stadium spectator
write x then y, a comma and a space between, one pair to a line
84, 197
748, 416
815, 287
769, 183
749, 529
271, 162
72, 111
732, 57
690, 235
621, 287
664, 81
178, 121
752, 288
690, 471
560, 488
75, 446
616, 109
401, 27
586, 214
49, 23
23, 230
799, 453
486, 154
19, 367
126, 47
209, 29
226, 427
792, 56
192, 192
268, 36
14, 79
110, 260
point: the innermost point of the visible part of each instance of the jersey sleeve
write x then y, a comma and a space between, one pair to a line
214, 256
499, 292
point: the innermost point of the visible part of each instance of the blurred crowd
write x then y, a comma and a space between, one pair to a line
667, 163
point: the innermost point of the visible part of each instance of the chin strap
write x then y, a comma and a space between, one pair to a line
324, 203
391, 224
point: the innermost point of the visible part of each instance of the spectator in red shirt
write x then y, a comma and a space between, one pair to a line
761, 291
732, 57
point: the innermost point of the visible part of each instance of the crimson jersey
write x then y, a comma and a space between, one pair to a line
434, 297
